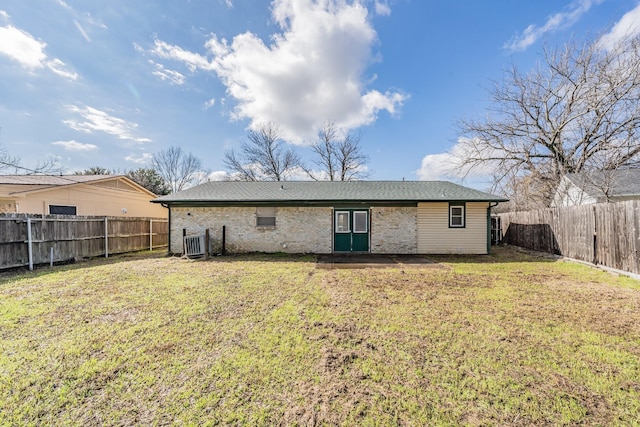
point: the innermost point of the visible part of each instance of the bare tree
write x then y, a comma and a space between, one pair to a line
7, 161
580, 109
339, 158
10, 163
263, 157
180, 170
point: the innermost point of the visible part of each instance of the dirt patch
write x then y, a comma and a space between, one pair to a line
355, 261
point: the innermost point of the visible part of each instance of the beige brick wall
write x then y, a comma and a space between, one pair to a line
298, 229
394, 230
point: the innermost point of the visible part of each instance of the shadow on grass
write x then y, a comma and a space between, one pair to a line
499, 254
75, 264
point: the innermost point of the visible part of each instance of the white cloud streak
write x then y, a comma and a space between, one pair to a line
313, 70
143, 159
82, 31
560, 20
173, 77
29, 52
93, 120
75, 146
627, 26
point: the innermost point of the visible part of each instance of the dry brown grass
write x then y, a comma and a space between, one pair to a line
507, 339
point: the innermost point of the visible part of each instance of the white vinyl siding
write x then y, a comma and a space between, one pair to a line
436, 237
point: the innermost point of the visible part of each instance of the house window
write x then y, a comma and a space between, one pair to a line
360, 222
62, 210
266, 217
456, 215
342, 222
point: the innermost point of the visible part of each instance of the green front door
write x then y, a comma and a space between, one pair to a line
351, 230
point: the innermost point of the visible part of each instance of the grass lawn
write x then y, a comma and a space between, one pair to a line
506, 339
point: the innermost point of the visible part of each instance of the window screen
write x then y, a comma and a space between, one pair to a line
266, 217
62, 210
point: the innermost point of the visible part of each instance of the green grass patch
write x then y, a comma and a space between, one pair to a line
505, 339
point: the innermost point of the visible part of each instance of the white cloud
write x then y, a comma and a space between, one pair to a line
447, 166
58, 67
217, 176
627, 26
143, 159
210, 103
382, 8
22, 47
93, 120
82, 31
193, 61
25, 49
557, 21
4, 15
173, 77
75, 146
313, 70
63, 4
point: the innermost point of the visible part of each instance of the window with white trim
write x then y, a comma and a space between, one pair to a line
456, 215
342, 222
266, 217
360, 223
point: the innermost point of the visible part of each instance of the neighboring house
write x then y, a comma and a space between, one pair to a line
392, 217
597, 187
108, 195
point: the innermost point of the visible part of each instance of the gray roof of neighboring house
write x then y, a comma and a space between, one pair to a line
310, 192
621, 182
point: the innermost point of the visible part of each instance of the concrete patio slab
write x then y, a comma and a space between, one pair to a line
371, 261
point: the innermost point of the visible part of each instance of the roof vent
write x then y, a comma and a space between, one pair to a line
282, 186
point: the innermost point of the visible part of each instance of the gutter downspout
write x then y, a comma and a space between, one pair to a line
165, 205
491, 205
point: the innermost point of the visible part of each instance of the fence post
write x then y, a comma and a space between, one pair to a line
150, 234
106, 237
29, 244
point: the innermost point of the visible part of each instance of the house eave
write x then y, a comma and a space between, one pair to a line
317, 203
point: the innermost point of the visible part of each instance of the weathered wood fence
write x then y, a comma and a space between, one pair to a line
606, 233
28, 240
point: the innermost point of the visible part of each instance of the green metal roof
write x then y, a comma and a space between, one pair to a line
315, 192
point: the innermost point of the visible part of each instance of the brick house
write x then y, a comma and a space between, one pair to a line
386, 217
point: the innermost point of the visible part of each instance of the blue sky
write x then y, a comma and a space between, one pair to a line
110, 83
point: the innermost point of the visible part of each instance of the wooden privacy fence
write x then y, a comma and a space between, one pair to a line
606, 233
28, 240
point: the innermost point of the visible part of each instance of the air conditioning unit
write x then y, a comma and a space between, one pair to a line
194, 245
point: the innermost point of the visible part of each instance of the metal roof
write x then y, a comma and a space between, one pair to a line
621, 182
309, 192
